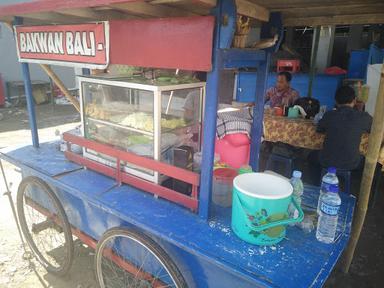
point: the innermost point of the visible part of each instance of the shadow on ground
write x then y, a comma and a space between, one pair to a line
81, 274
367, 269
47, 115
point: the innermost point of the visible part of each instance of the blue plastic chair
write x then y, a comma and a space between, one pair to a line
276, 160
345, 175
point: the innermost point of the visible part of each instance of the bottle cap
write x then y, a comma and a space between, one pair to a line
297, 174
332, 170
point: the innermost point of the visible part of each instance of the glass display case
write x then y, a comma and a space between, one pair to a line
150, 118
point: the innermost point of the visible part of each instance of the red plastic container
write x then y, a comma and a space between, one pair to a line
292, 66
234, 149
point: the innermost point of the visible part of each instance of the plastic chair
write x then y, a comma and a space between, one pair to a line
345, 175
275, 160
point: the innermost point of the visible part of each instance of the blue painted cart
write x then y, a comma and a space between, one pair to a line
207, 253
158, 243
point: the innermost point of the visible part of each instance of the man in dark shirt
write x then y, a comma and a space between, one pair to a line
343, 129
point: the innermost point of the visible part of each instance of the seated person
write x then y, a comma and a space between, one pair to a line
343, 129
282, 94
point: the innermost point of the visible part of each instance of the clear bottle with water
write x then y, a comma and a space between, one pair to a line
329, 179
298, 189
327, 223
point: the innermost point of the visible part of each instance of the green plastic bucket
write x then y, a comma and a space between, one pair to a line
260, 208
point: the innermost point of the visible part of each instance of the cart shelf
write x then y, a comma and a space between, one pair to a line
150, 134
218, 257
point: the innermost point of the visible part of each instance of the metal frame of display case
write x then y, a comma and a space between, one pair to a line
157, 113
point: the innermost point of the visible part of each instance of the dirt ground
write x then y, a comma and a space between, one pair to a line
366, 271
14, 270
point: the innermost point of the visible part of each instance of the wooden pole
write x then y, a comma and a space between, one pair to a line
374, 145
60, 84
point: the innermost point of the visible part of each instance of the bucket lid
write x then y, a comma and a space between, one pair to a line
225, 173
263, 185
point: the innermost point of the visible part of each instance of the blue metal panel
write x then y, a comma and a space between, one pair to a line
213, 254
360, 59
258, 113
37, 158
238, 58
357, 67
324, 86
223, 39
376, 55
245, 86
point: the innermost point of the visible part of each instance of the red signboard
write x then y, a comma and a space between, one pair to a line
82, 45
173, 43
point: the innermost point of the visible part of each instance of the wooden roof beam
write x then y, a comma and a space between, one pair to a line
52, 17
377, 18
278, 5
348, 9
210, 3
149, 10
200, 7
247, 8
92, 14
244, 7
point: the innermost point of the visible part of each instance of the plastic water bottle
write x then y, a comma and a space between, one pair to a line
327, 223
298, 189
330, 179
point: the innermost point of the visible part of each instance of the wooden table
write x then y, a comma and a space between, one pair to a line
302, 133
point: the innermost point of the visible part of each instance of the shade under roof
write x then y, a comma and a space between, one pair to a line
294, 12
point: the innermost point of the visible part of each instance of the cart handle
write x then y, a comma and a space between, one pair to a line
262, 227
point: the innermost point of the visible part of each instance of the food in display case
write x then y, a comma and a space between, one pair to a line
150, 118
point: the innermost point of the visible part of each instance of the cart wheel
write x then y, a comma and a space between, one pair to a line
45, 225
125, 258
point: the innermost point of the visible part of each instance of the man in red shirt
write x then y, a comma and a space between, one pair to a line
282, 94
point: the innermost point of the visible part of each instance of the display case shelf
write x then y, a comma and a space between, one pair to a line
150, 134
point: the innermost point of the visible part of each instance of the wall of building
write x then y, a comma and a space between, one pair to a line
10, 67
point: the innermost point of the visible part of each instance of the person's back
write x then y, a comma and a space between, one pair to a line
343, 129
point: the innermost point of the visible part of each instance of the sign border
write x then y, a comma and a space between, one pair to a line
68, 63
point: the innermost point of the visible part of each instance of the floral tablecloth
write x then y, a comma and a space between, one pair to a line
302, 133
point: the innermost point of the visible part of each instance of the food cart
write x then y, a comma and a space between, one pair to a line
108, 195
